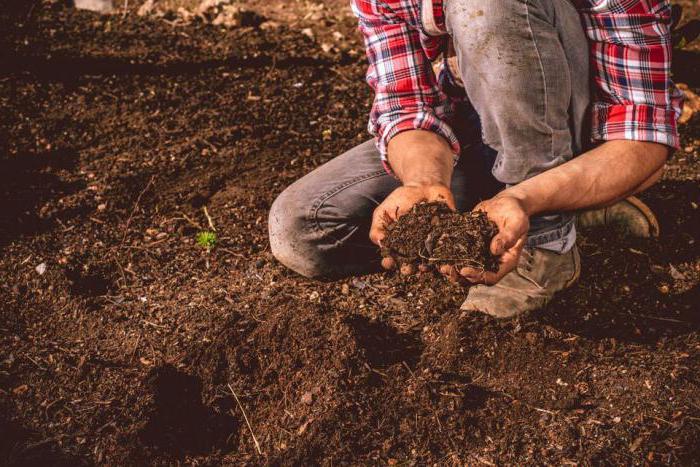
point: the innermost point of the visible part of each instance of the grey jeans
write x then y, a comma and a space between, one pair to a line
524, 64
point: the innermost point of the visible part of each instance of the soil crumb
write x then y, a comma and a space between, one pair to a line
434, 234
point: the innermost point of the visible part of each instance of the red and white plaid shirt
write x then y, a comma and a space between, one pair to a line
635, 98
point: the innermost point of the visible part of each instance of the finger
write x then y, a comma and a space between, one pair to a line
445, 269
475, 276
407, 269
388, 263
503, 241
491, 278
377, 232
454, 275
498, 246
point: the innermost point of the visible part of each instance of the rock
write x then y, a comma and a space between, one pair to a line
307, 398
99, 6
308, 32
40, 269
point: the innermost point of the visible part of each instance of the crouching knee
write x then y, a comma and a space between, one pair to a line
290, 235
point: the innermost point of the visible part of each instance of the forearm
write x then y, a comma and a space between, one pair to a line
421, 158
600, 177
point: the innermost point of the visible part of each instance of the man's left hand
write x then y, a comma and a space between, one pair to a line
508, 213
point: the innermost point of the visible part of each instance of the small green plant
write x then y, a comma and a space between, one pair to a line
206, 239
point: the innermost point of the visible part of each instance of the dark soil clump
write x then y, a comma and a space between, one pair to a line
432, 233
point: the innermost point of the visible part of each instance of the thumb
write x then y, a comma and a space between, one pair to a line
502, 242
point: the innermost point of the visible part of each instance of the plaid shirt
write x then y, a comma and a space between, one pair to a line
635, 98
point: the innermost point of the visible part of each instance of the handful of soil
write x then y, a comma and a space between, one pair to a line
432, 233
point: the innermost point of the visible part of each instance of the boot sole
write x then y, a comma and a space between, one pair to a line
638, 204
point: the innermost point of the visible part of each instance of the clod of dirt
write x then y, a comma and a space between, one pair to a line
176, 419
434, 234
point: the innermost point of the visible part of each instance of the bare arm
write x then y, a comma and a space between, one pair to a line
423, 161
602, 176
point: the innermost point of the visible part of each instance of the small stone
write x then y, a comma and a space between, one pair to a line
664, 289
345, 289
101, 207
40, 269
307, 398
269, 25
99, 6
689, 149
617, 420
314, 296
308, 32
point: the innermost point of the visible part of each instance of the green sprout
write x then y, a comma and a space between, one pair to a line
206, 239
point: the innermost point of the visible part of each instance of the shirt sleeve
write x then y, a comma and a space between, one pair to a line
631, 63
407, 95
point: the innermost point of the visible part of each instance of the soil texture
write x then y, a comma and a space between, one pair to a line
434, 234
124, 342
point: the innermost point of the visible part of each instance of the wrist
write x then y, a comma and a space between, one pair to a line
521, 198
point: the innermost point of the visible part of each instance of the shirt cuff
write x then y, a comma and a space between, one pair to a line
635, 122
420, 121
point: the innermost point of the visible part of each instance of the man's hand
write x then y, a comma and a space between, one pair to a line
508, 214
423, 162
398, 203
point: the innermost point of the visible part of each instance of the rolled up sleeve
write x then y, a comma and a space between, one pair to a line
631, 60
407, 96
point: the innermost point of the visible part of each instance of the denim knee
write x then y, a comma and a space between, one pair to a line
288, 234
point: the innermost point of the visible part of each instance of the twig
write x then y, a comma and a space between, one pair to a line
211, 223
670, 320
255, 440
136, 205
192, 221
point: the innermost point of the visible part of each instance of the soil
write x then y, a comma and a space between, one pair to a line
123, 342
433, 234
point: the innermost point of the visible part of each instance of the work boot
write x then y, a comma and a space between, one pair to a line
539, 275
631, 216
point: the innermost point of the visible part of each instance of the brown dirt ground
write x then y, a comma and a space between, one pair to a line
117, 131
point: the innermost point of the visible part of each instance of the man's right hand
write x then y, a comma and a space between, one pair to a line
398, 203
423, 161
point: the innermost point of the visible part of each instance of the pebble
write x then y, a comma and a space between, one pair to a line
345, 289
307, 398
40, 269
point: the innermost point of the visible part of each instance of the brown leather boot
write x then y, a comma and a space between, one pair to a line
631, 216
533, 283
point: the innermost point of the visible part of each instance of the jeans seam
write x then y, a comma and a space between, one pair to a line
321, 200
545, 115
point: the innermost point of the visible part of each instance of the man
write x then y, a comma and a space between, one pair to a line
543, 81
